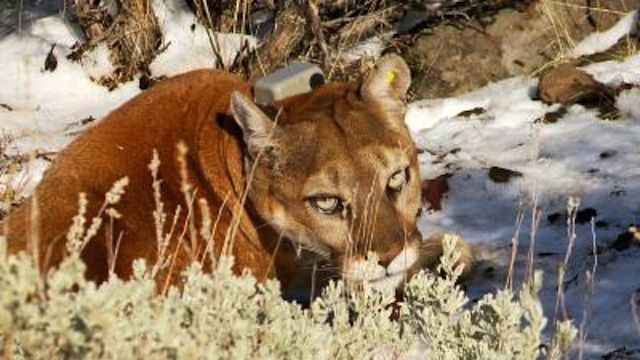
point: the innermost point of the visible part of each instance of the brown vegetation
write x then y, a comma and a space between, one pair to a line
128, 28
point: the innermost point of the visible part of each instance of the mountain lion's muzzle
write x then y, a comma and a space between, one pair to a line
383, 247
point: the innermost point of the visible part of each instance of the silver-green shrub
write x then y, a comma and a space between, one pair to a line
225, 316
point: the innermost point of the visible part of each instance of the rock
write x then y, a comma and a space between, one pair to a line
554, 217
453, 61
551, 117
607, 154
585, 215
566, 84
471, 112
51, 62
627, 239
501, 175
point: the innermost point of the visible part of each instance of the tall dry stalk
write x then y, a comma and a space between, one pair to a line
515, 242
238, 209
536, 215
635, 313
189, 193
79, 235
560, 309
590, 284
210, 243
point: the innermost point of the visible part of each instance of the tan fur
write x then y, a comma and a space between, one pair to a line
343, 140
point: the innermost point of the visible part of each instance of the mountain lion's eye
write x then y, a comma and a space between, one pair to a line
328, 205
398, 180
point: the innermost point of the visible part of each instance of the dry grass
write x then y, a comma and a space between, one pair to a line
560, 25
133, 37
561, 314
561, 16
224, 15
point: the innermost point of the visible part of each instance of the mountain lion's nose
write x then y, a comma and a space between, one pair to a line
384, 259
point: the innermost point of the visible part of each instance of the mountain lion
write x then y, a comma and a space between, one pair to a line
333, 171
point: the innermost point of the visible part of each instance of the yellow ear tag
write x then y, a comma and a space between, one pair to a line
390, 76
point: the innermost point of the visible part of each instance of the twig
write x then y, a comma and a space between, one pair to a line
316, 29
590, 279
514, 247
535, 222
572, 210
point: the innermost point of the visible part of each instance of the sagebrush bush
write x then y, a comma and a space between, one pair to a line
225, 316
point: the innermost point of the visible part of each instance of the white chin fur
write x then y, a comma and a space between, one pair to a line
390, 278
403, 261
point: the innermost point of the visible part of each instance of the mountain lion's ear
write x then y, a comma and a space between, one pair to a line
256, 125
387, 84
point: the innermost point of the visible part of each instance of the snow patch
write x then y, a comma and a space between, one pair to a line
628, 102
188, 44
601, 41
577, 155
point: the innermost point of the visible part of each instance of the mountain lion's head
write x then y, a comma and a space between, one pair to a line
336, 171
